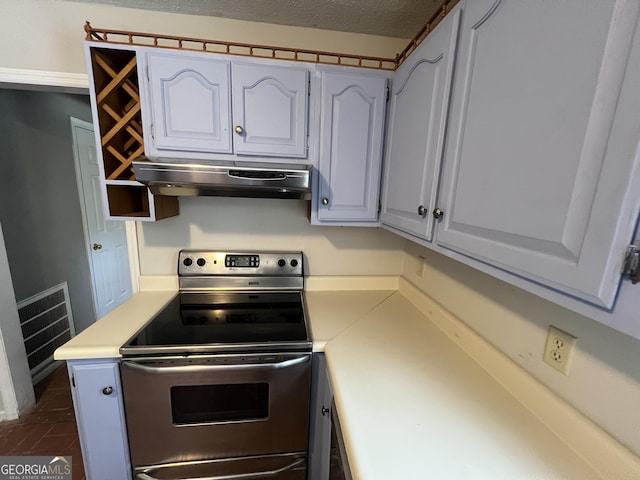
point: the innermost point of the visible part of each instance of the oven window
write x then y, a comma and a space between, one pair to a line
219, 403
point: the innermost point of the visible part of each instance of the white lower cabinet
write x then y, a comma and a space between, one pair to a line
352, 110
97, 400
320, 421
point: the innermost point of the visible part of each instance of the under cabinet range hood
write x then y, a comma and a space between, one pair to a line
227, 179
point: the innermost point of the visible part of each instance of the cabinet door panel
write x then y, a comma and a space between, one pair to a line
352, 123
100, 421
190, 103
270, 106
525, 185
418, 114
320, 422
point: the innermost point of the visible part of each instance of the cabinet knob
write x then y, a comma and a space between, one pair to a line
239, 130
422, 210
325, 201
437, 213
107, 390
325, 411
97, 246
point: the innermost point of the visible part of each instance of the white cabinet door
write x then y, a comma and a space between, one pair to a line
97, 400
541, 157
351, 138
270, 110
417, 116
190, 103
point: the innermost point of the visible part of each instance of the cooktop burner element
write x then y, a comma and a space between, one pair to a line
243, 302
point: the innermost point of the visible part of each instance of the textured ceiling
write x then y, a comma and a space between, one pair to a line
392, 18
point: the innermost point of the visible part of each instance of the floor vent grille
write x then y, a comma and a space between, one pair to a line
47, 323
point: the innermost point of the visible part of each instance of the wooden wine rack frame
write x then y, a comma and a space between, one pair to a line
119, 118
118, 101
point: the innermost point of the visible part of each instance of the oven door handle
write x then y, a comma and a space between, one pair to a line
267, 474
216, 368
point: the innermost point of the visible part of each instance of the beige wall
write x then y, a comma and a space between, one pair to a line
255, 224
48, 34
604, 380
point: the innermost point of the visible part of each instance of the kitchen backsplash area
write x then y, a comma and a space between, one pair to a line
604, 378
267, 224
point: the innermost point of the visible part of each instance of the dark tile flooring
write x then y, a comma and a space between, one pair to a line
49, 428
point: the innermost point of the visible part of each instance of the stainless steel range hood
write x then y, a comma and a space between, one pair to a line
228, 179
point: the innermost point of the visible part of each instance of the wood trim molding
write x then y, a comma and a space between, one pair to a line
69, 82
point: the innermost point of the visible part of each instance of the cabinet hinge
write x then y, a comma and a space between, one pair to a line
387, 100
309, 87
146, 69
379, 208
631, 265
73, 381
153, 131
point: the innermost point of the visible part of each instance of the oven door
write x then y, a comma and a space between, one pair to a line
212, 407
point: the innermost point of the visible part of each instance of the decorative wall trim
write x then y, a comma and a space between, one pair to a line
70, 82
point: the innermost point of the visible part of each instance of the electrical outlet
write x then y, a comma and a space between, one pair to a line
420, 267
559, 349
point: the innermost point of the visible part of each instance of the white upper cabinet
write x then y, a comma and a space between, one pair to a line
191, 104
540, 173
417, 120
206, 106
270, 110
351, 138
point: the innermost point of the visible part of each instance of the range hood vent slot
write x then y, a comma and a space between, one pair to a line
231, 179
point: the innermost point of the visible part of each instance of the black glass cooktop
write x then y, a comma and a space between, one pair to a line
220, 321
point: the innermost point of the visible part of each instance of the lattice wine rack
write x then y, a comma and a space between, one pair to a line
120, 123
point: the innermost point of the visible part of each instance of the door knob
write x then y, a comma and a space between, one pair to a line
325, 411
97, 246
107, 390
325, 201
437, 213
422, 210
239, 130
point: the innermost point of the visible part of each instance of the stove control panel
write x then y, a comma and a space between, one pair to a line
210, 263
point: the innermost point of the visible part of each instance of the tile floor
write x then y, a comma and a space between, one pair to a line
49, 428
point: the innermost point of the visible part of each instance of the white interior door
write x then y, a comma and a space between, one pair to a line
107, 241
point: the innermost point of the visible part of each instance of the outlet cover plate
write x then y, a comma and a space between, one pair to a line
558, 350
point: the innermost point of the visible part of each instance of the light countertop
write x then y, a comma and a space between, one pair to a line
104, 338
410, 400
331, 312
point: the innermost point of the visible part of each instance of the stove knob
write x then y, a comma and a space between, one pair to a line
281, 262
187, 262
201, 262
294, 263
